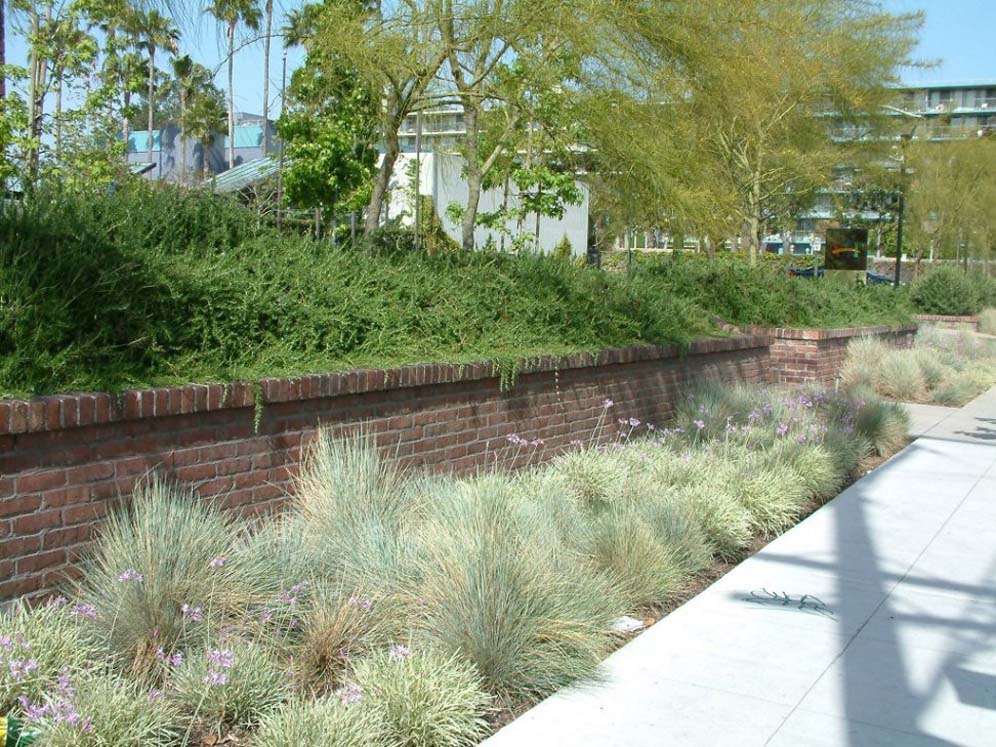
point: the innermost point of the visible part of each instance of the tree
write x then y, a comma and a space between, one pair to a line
267, 33
329, 127
396, 51
155, 32
190, 80
777, 80
205, 116
232, 13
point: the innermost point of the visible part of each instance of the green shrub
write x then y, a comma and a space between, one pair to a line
428, 700
112, 712
820, 471
723, 518
945, 290
234, 684
774, 496
327, 722
166, 550
502, 591
37, 644
987, 321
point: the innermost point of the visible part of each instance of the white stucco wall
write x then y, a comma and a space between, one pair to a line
441, 178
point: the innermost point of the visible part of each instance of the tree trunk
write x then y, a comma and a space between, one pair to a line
383, 180
151, 97
473, 177
266, 77
125, 124
183, 134
754, 219
205, 146
3, 49
231, 94
58, 116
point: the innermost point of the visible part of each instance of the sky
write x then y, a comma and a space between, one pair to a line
957, 34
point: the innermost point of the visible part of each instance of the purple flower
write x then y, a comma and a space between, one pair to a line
537, 442
131, 575
19, 669
634, 422
218, 562
155, 694
59, 601
350, 694
754, 416
32, 711
87, 611
607, 403
577, 443
782, 429
216, 678
265, 614
221, 658
516, 440
360, 602
399, 651
699, 424
193, 614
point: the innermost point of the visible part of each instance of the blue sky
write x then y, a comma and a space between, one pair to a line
958, 33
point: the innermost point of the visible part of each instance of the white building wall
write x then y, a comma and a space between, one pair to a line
441, 178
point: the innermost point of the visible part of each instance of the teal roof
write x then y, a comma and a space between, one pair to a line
245, 174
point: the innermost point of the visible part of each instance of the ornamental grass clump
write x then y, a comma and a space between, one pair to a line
502, 591
336, 626
104, 710
901, 377
428, 699
38, 644
885, 425
160, 578
864, 360
324, 722
234, 683
987, 321
352, 508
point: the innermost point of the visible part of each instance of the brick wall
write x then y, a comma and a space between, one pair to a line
801, 356
66, 460
968, 323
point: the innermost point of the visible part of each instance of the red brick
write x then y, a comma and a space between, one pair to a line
31, 523
41, 561
32, 482
20, 504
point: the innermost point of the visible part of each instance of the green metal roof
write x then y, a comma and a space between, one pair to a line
245, 174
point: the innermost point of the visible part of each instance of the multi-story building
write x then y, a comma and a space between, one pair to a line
442, 130
957, 110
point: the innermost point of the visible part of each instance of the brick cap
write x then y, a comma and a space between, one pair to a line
946, 318
64, 411
785, 333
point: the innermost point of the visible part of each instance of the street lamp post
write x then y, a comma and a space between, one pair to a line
906, 137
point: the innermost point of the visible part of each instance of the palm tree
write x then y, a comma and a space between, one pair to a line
231, 13
205, 115
156, 31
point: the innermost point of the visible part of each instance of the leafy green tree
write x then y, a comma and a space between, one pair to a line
190, 80
205, 117
328, 132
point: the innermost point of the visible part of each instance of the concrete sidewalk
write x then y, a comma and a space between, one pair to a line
873, 622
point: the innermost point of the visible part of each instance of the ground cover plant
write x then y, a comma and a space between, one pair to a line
150, 285
943, 367
393, 609
765, 294
953, 291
